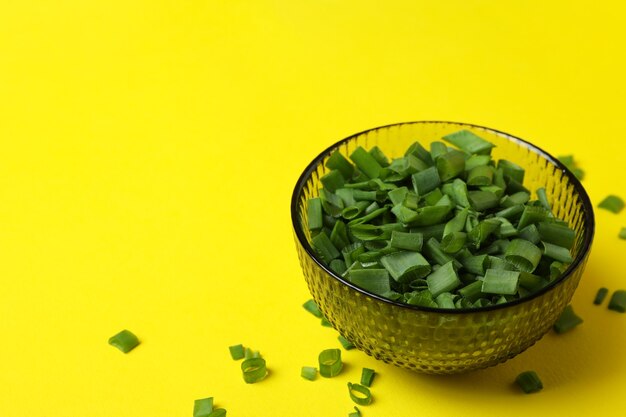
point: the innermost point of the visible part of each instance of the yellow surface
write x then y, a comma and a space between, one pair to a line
149, 150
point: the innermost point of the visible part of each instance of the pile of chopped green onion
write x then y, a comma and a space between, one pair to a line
448, 227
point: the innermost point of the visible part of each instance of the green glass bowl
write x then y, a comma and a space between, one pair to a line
435, 340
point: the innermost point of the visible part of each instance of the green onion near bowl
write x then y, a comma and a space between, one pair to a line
447, 228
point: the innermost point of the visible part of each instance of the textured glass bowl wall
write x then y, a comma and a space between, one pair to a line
436, 340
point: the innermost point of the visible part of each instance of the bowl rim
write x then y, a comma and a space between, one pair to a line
578, 187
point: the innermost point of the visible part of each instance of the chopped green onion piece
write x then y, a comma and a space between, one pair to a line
236, 352
543, 198
476, 264
523, 255
432, 249
429, 215
521, 197
506, 229
420, 152
512, 170
379, 156
437, 149
443, 279
357, 413
372, 280
480, 176
612, 203
531, 215
600, 296
531, 234
473, 291
337, 266
347, 196
367, 376
407, 241
476, 161
618, 301
500, 264
434, 231
339, 235
433, 197
450, 165
622, 233
369, 215
511, 212
501, 282
330, 364
362, 195
479, 234
203, 407
332, 204
339, 162
308, 372
324, 322
404, 214
483, 200
218, 412
398, 195
559, 253
124, 341
556, 234
457, 223
425, 181
406, 266
445, 300
530, 281
366, 163
332, 180
567, 321
422, 298
453, 242
254, 370
529, 382
314, 213
360, 394
469, 142
351, 252
249, 353
311, 307
347, 345
324, 247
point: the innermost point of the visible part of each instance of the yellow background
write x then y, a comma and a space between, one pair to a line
148, 154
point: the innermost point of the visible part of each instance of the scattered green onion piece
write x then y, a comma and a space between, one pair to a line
406, 265
443, 279
236, 352
523, 255
218, 412
339, 162
203, 407
254, 370
332, 180
618, 301
556, 234
357, 413
450, 165
330, 364
407, 241
622, 233
612, 203
445, 300
469, 142
559, 253
480, 176
124, 341
453, 242
476, 161
324, 247
567, 320
529, 382
501, 282
249, 353
314, 213
308, 372
483, 200
311, 307
425, 181
600, 296
347, 345
367, 376
366, 163
360, 394
372, 280
324, 322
